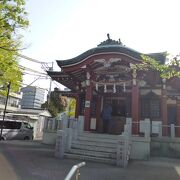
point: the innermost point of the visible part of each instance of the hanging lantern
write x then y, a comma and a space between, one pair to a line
87, 82
83, 84
77, 87
88, 75
105, 88
97, 87
114, 88
124, 87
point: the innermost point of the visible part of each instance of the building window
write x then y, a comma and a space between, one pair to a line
150, 106
155, 108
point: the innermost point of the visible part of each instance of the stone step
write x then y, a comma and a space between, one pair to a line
93, 153
95, 143
90, 158
93, 139
92, 147
98, 135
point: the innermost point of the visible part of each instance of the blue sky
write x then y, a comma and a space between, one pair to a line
61, 29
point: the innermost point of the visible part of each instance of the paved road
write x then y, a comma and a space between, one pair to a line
26, 160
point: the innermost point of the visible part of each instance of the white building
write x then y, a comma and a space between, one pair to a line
32, 98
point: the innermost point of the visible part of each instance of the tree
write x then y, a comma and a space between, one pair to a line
12, 19
167, 71
56, 104
9, 71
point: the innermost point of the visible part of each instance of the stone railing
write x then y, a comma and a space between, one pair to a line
128, 146
51, 125
134, 147
70, 125
124, 145
68, 133
170, 130
157, 129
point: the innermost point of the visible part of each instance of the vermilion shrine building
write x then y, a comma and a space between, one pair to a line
106, 74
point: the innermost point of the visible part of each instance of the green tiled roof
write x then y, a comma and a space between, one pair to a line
101, 49
111, 46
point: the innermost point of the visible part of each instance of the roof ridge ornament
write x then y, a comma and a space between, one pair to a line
110, 41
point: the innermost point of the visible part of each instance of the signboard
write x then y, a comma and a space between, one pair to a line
87, 104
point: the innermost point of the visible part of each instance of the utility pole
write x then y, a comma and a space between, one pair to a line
50, 69
8, 86
50, 85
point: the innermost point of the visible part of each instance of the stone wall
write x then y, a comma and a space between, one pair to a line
165, 146
140, 149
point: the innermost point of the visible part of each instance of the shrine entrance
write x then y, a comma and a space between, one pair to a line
121, 107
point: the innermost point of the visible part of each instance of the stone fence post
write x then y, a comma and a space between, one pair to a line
69, 136
64, 122
60, 144
54, 124
75, 129
160, 130
80, 123
147, 128
123, 151
46, 123
49, 124
129, 124
124, 145
172, 131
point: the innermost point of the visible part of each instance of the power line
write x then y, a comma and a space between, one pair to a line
35, 86
29, 69
44, 65
33, 74
31, 59
34, 80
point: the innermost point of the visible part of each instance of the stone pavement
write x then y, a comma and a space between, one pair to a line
31, 160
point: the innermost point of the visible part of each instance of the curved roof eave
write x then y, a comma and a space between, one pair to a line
98, 50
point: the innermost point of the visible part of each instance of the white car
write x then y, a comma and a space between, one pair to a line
17, 130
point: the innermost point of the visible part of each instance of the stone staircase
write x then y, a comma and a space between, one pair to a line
75, 143
94, 147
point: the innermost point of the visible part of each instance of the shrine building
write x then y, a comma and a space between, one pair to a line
106, 74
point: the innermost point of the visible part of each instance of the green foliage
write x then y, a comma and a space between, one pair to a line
9, 70
71, 107
12, 19
57, 104
167, 71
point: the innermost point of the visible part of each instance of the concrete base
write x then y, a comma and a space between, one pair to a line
49, 137
140, 148
165, 146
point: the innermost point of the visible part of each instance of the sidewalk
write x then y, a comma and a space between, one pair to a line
6, 170
31, 160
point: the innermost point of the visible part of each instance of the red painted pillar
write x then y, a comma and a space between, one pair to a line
135, 109
87, 112
178, 117
98, 114
77, 106
164, 112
